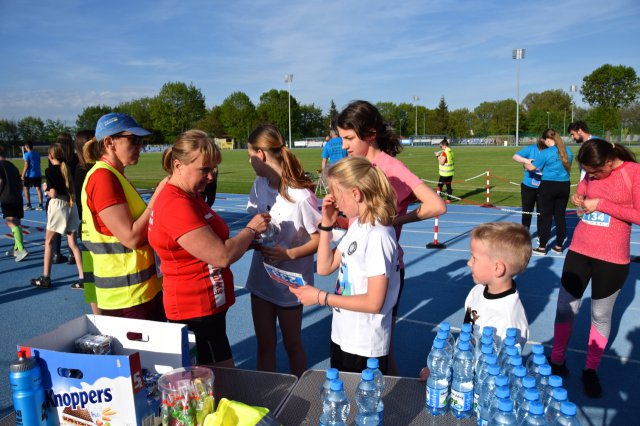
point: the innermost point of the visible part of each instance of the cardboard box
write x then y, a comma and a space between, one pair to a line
107, 390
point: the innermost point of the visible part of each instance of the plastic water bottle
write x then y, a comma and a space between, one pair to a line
507, 342
514, 361
554, 382
538, 360
466, 327
505, 415
332, 374
335, 407
464, 337
484, 341
374, 364
28, 395
515, 384
507, 354
481, 376
530, 396
443, 335
270, 236
439, 364
487, 391
484, 351
553, 409
528, 382
535, 416
491, 332
543, 378
445, 326
367, 397
502, 393
462, 385
567, 415
535, 350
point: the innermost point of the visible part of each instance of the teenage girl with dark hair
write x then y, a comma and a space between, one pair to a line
282, 190
599, 251
553, 195
365, 133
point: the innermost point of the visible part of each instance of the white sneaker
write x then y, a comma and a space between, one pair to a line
21, 254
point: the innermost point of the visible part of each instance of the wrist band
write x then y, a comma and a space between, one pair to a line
326, 299
318, 296
325, 228
254, 231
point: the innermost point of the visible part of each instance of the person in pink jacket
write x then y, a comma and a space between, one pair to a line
599, 251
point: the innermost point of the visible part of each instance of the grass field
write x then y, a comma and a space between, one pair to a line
236, 175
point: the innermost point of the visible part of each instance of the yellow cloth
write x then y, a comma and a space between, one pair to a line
234, 413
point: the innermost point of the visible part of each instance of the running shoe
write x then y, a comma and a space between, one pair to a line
21, 254
557, 249
540, 251
41, 282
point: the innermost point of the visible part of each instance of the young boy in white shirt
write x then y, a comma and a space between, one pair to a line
499, 251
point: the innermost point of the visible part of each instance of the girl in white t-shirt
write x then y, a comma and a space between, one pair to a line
282, 190
367, 258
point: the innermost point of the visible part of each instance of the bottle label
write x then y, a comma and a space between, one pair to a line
461, 401
437, 398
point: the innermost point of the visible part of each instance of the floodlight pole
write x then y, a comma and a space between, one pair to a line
573, 88
518, 54
288, 78
416, 99
548, 122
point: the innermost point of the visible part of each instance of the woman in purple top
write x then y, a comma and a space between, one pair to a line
365, 133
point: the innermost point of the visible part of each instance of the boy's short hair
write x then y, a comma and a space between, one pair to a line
506, 241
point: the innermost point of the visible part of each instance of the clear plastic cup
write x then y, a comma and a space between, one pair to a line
187, 396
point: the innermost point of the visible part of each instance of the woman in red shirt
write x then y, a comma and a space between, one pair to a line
194, 247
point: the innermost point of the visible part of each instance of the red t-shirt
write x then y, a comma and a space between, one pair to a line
192, 288
103, 190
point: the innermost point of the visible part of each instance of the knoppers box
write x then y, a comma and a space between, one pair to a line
106, 390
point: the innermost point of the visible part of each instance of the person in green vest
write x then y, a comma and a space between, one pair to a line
446, 167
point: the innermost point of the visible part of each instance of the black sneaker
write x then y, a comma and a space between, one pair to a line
540, 251
591, 383
558, 369
557, 249
78, 285
59, 258
41, 282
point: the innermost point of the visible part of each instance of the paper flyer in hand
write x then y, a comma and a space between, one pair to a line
292, 279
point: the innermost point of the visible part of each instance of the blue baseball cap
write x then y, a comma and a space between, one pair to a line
112, 123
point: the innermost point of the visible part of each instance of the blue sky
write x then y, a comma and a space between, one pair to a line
60, 56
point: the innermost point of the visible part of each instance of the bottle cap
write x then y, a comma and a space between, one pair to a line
373, 363
520, 371
512, 351
486, 340
502, 380
505, 405
486, 349
438, 344
555, 381
515, 360
367, 374
528, 382
502, 392
536, 408
545, 370
463, 346
511, 332
442, 334
560, 394
23, 363
510, 341
494, 370
568, 408
332, 374
445, 326
539, 359
336, 385
537, 349
464, 336
488, 331
467, 327
491, 359
531, 394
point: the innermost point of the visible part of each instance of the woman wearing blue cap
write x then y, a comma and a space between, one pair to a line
115, 220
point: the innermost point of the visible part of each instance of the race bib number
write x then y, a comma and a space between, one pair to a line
535, 182
597, 218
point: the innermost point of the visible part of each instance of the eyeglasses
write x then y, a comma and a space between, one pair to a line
136, 140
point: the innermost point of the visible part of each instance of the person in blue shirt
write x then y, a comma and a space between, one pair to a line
332, 151
530, 181
553, 196
32, 175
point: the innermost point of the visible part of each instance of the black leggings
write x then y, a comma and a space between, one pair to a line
529, 198
445, 181
553, 197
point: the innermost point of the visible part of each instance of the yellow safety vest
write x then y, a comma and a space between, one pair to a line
123, 277
447, 168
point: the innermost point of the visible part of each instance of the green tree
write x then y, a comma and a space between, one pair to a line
460, 123
9, 135
608, 89
211, 123
176, 108
493, 118
31, 129
89, 117
53, 128
311, 121
554, 101
441, 124
238, 115
332, 116
273, 109
140, 110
